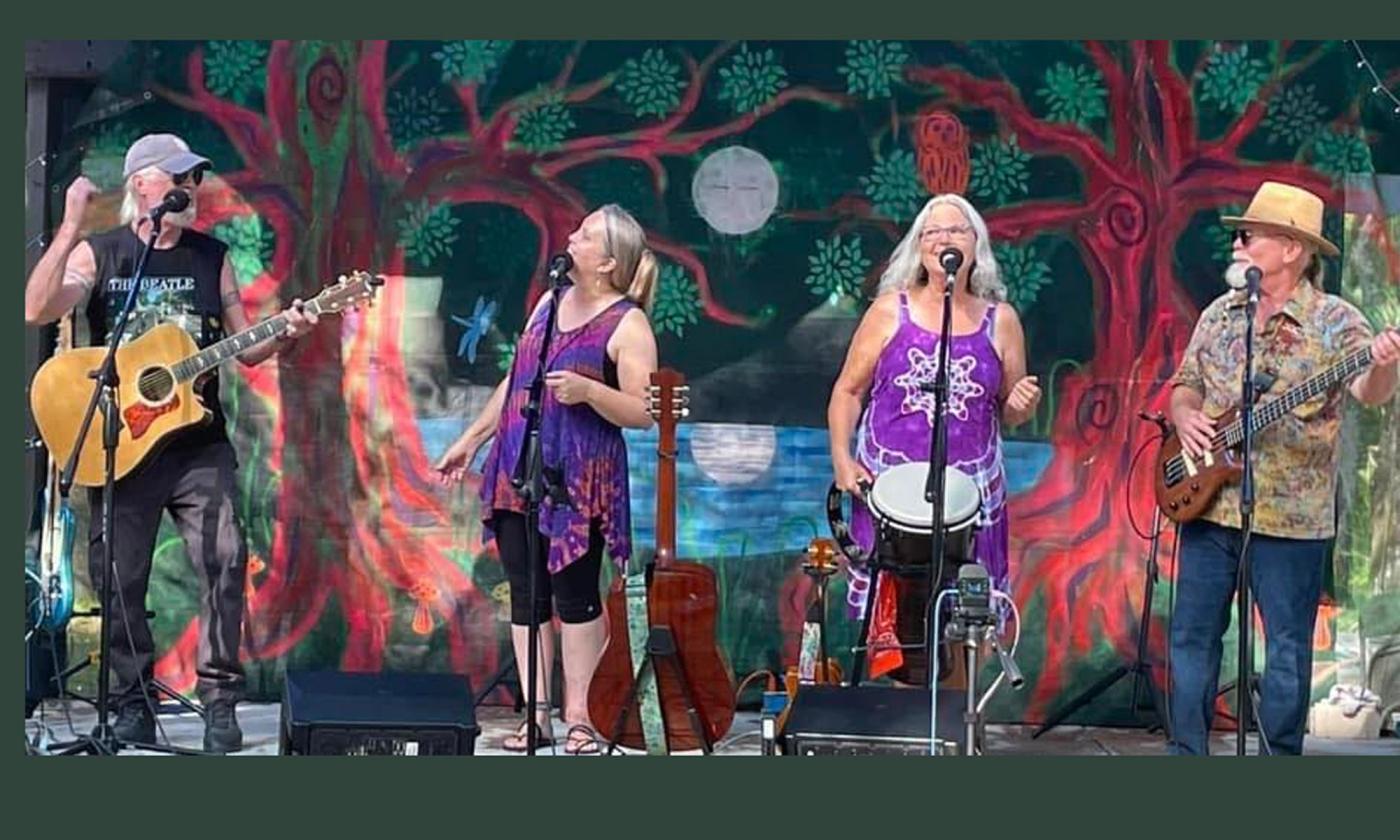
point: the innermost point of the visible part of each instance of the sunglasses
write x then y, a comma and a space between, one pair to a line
194, 175
1242, 236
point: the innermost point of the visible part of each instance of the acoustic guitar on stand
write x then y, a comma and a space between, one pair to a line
662, 683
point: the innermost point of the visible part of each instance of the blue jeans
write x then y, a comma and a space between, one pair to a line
1286, 582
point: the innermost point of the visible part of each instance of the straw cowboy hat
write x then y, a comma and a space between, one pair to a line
1292, 210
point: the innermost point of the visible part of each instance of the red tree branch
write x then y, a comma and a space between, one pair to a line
1252, 115
466, 94
692, 263
1031, 218
245, 129
1119, 95
1148, 133
588, 149
1228, 179
567, 69
1178, 111
370, 71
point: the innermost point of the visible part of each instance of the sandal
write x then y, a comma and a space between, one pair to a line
585, 744
517, 742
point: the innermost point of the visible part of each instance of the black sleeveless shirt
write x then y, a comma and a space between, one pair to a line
180, 285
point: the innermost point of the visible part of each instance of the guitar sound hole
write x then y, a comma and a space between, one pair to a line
155, 385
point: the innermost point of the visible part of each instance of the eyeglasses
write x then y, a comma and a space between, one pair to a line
933, 231
195, 175
1242, 236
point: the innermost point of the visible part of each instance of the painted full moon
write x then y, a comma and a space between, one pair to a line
733, 453
736, 190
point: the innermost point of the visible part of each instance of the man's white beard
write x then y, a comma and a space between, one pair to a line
1234, 276
183, 219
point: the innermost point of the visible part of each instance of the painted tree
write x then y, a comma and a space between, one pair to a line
348, 172
322, 168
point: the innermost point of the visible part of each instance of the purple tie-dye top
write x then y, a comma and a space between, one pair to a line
898, 422
586, 447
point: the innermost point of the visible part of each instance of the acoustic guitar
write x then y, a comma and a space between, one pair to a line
157, 394
687, 679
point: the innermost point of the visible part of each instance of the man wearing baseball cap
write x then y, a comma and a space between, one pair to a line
189, 281
1300, 331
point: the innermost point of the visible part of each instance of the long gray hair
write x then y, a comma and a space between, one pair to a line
905, 267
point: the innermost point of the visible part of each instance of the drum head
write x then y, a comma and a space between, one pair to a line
898, 497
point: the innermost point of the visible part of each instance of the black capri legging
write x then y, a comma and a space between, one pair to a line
574, 590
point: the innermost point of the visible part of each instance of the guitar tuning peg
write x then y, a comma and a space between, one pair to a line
685, 412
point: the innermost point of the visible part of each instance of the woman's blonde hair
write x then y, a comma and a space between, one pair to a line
625, 241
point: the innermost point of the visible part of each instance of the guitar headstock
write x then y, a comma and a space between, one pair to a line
821, 556
668, 397
350, 291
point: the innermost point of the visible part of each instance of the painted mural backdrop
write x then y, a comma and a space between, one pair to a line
773, 180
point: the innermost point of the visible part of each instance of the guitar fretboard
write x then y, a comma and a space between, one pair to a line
221, 351
1274, 410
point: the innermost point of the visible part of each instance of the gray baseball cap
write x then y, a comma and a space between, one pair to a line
165, 151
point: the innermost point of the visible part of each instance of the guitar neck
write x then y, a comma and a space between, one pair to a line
1272, 411
666, 499
667, 399
221, 351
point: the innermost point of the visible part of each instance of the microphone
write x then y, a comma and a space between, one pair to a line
174, 202
559, 266
1240, 280
951, 260
1252, 276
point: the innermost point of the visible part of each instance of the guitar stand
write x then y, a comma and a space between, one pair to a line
508, 677
661, 646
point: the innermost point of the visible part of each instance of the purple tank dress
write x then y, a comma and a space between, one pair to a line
586, 447
898, 422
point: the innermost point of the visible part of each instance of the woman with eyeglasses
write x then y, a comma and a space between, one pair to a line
884, 393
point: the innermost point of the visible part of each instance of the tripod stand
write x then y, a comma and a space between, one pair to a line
1140, 668
507, 676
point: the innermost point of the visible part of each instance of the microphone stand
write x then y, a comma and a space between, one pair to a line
1244, 687
529, 481
936, 483
105, 392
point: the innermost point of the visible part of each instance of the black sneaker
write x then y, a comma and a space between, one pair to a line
221, 732
135, 723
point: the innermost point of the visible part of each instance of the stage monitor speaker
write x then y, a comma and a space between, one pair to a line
340, 713
870, 720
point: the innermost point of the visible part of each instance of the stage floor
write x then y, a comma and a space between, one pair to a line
260, 722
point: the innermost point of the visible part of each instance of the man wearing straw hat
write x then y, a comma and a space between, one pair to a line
1299, 331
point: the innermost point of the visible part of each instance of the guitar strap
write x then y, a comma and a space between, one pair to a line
639, 632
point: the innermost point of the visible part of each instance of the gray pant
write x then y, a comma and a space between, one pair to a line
196, 485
